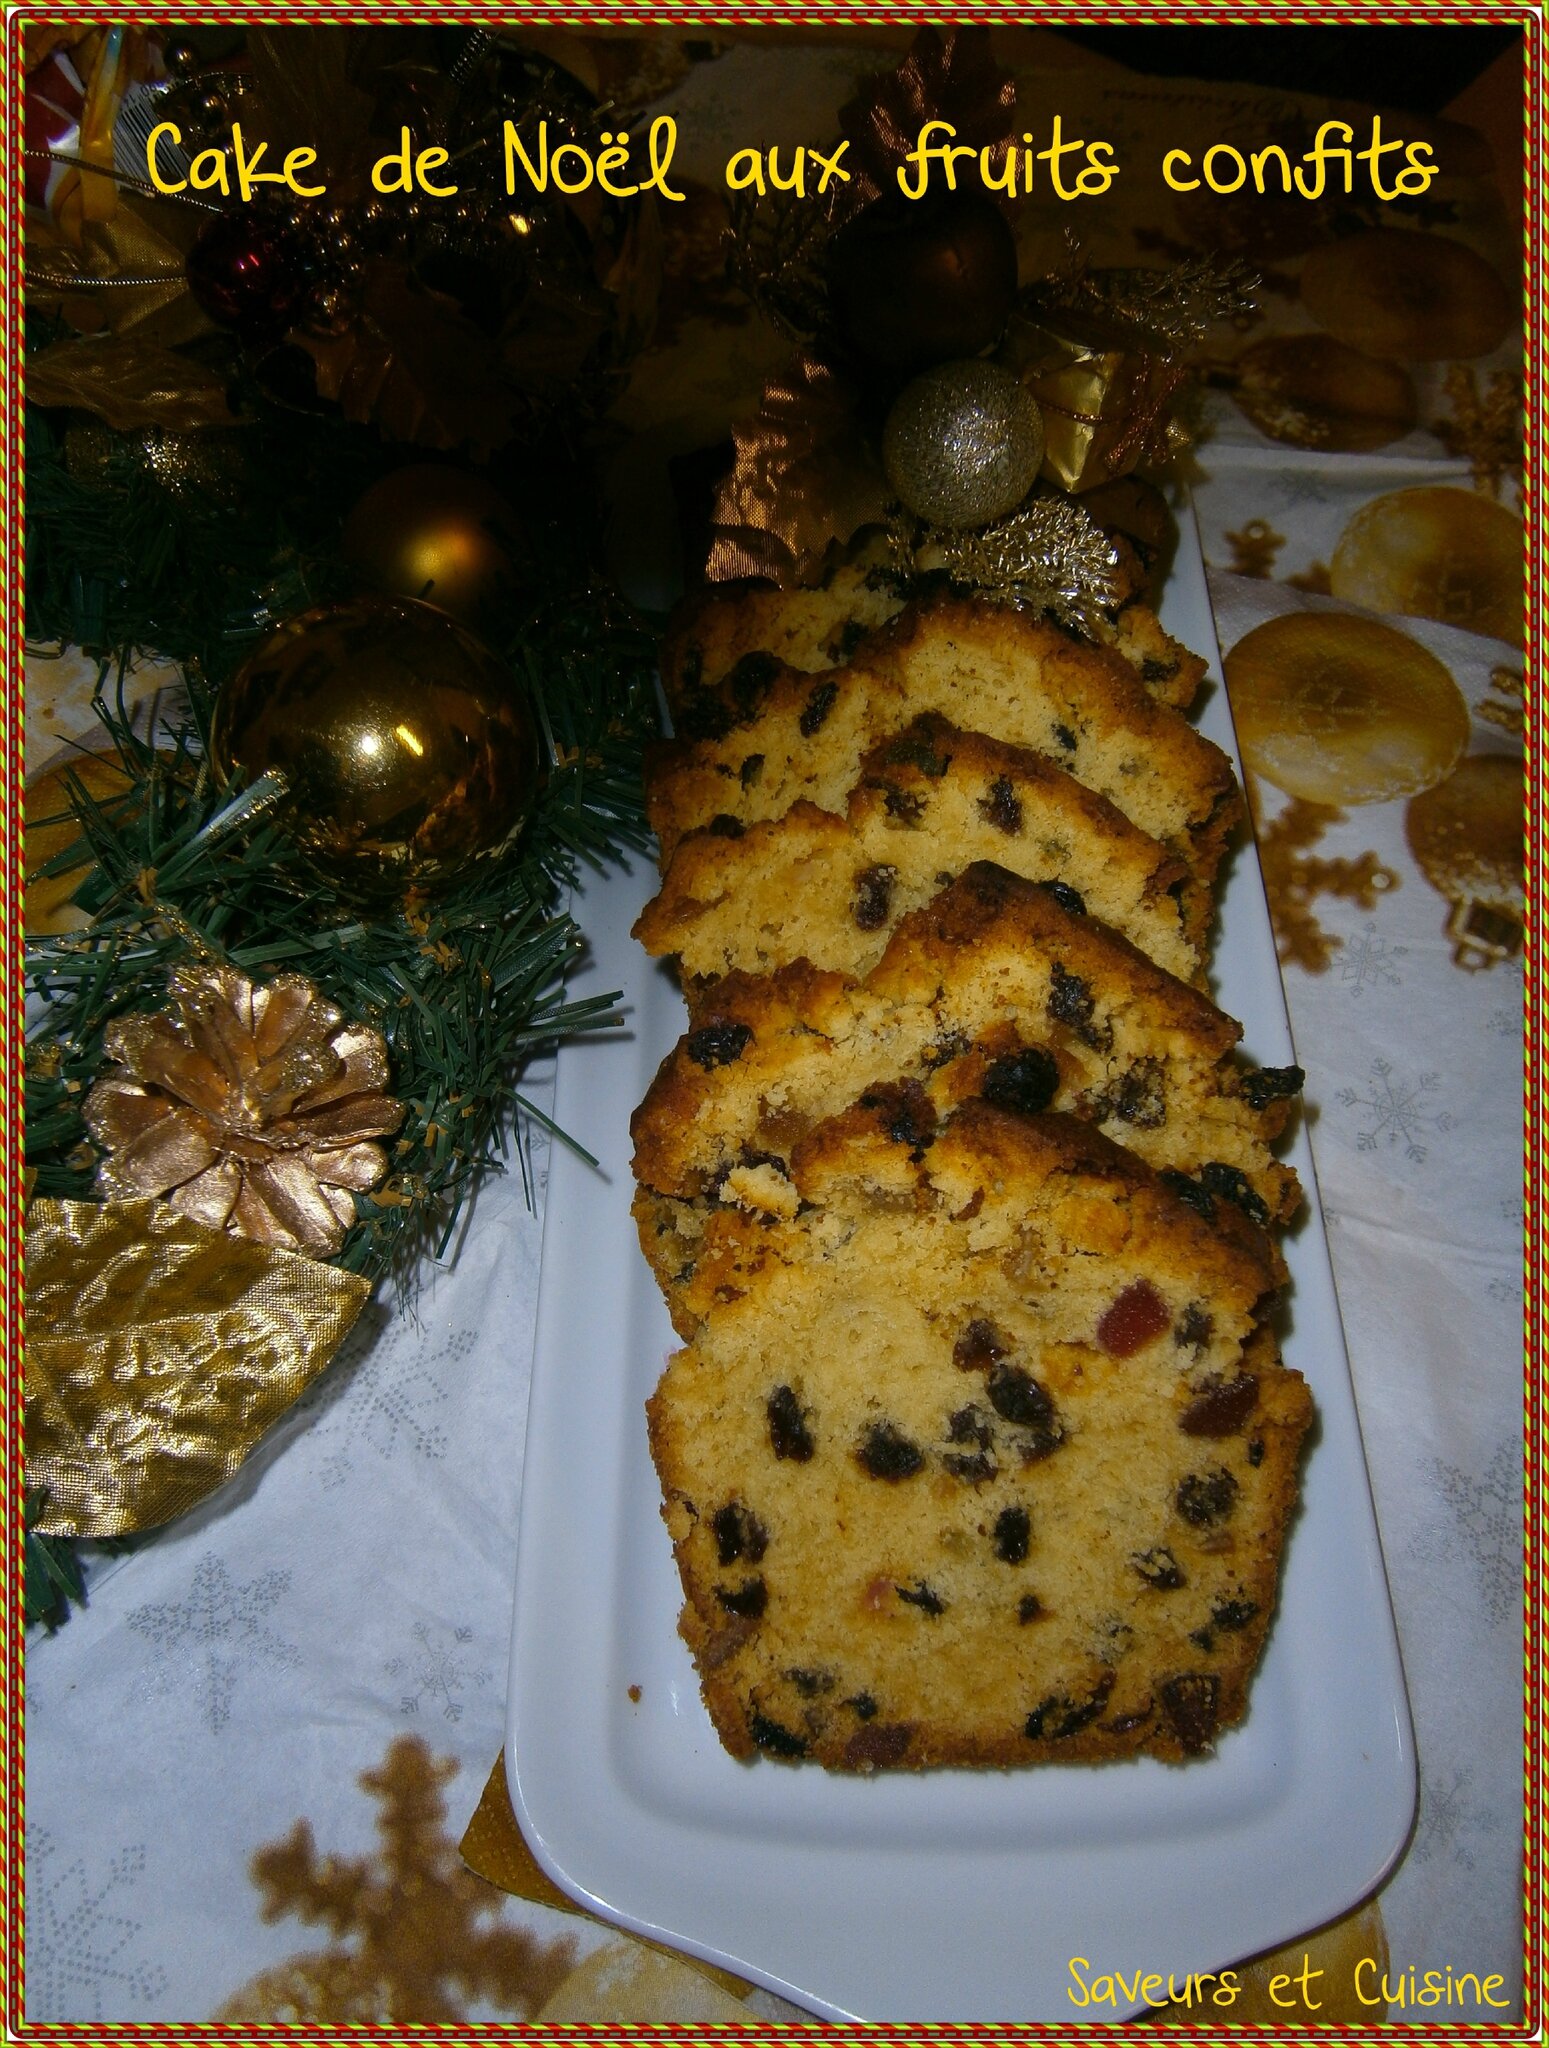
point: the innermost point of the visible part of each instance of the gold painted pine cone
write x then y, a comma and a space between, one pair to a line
254, 1110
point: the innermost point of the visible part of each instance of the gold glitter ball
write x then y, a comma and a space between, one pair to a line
963, 444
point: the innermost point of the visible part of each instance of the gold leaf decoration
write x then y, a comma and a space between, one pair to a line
254, 1110
413, 365
159, 1352
130, 383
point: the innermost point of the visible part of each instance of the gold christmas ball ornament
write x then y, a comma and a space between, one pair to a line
1342, 710
1435, 552
52, 828
1421, 298
1312, 391
408, 750
962, 444
1466, 835
438, 534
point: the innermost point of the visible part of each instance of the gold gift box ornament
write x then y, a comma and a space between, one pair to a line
1105, 391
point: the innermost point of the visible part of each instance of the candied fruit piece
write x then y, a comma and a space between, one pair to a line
738, 1533
1066, 897
775, 1740
789, 1435
1013, 1534
1001, 807
1058, 1716
887, 1453
1191, 1705
1138, 1315
1264, 1085
1159, 1569
815, 711
878, 1747
717, 1045
1206, 1497
922, 1596
1221, 1406
873, 898
979, 1347
1026, 1081
749, 1599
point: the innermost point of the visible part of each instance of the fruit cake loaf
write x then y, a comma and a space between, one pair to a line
818, 628
997, 987
986, 1456
829, 889
770, 735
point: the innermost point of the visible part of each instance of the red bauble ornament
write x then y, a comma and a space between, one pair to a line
249, 273
914, 283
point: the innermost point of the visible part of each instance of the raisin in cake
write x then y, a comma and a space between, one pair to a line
821, 627
770, 736
829, 889
985, 1456
998, 987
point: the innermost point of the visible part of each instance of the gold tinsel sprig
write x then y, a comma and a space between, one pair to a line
1047, 556
251, 1109
1167, 310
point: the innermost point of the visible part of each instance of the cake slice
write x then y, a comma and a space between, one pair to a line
770, 736
820, 627
997, 987
983, 1456
830, 889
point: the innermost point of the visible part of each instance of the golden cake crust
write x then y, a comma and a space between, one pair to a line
993, 986
829, 889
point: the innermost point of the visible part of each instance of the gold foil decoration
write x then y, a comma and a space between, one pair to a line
948, 76
252, 1110
804, 477
1106, 400
159, 1351
130, 383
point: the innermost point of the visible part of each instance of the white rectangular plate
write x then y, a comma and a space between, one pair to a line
949, 1895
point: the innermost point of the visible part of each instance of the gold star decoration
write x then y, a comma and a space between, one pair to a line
1485, 428
412, 1944
1294, 878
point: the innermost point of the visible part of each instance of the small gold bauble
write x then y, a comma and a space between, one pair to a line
963, 443
1395, 292
1313, 392
408, 749
441, 535
1435, 552
1343, 710
1466, 835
